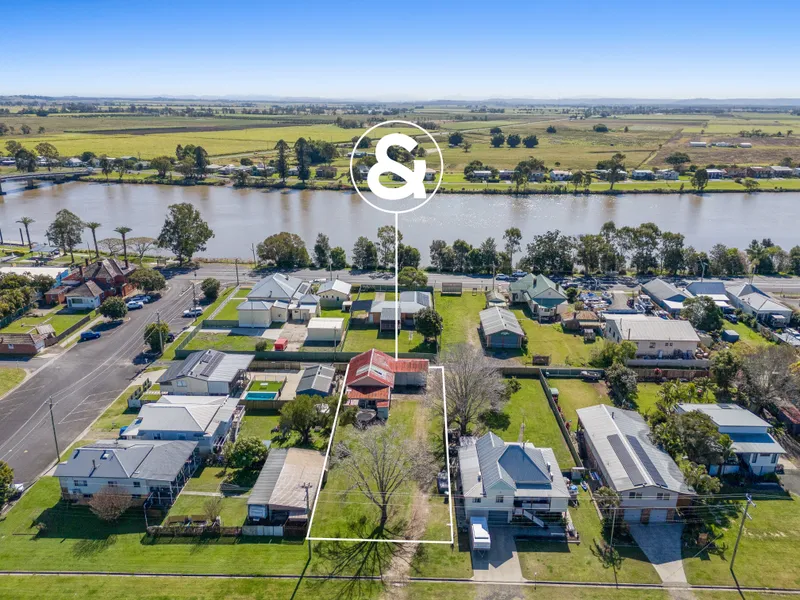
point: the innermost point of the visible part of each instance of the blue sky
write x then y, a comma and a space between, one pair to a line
409, 50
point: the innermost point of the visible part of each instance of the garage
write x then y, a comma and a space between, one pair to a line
325, 330
658, 515
254, 313
633, 515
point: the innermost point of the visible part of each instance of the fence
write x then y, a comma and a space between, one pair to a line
263, 530
135, 399
219, 324
193, 531
72, 328
666, 363
10, 318
560, 420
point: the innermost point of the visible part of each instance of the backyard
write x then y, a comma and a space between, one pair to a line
576, 393
361, 339
549, 339
60, 318
461, 318
225, 341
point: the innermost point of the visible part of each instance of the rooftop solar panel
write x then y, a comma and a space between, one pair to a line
648, 464
634, 474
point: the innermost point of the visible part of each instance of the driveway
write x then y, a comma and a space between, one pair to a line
295, 334
661, 543
501, 563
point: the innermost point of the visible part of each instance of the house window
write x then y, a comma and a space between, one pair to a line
476, 500
635, 495
137, 484
662, 496
755, 458
79, 482
498, 499
112, 484
774, 459
180, 383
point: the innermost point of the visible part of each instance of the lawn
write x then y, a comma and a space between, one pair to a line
228, 311
233, 513
10, 377
440, 560
264, 386
209, 309
460, 316
747, 336
59, 318
529, 406
559, 561
550, 339
225, 341
169, 351
260, 423
242, 292
117, 415
362, 339
575, 393
648, 396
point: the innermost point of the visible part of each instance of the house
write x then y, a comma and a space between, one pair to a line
281, 298
332, 294
789, 415
506, 174
666, 295
86, 296
616, 445
481, 174
207, 420
496, 298
797, 171
510, 481
556, 175
325, 330
293, 171
759, 172
697, 144
430, 174
154, 471
752, 301
57, 295
206, 373
654, 337
545, 299
755, 448
580, 320
714, 290
643, 174
266, 170
745, 145
500, 328
326, 172
109, 274
385, 313
373, 375
780, 171
716, 173
722, 144
667, 174
316, 381
73, 162
279, 496
536, 176
22, 344
363, 171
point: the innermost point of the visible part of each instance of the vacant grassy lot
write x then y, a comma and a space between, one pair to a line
362, 339
550, 339
575, 393
10, 378
206, 340
260, 423
529, 406
559, 561
59, 318
460, 316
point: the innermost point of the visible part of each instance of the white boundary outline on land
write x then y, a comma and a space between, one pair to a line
325, 465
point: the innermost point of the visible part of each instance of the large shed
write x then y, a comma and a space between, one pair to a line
500, 328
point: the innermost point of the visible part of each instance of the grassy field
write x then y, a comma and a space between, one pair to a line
575, 393
362, 339
460, 316
549, 339
205, 340
59, 318
10, 377
747, 336
530, 406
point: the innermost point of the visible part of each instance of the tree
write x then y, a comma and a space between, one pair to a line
386, 242
113, 308
467, 145
241, 178
751, 185
322, 251
184, 231
338, 258
513, 140
530, 141
210, 288
212, 508
300, 415
614, 166
600, 128
700, 179
498, 140
65, 231
25, 160
245, 453
698, 478
461, 250
110, 503
551, 252
124, 231
106, 166
429, 323
155, 336
301, 151
25, 129
142, 245
47, 151
550, 129
26, 222
768, 375
456, 138
513, 238
380, 462
200, 161
589, 250
93, 227
703, 313
87, 157
162, 164
412, 277
474, 386
409, 256
672, 252
42, 283
365, 254
120, 167
282, 162
437, 250
724, 368
677, 160
12, 147
622, 383
286, 250
607, 500
6, 480
148, 280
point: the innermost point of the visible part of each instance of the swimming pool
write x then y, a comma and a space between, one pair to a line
261, 395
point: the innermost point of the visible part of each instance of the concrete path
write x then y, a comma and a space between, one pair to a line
661, 543
501, 563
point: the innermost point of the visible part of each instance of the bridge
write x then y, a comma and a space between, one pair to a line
56, 176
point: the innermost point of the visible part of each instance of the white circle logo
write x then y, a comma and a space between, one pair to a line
411, 195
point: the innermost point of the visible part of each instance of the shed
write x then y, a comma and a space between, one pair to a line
316, 381
500, 328
325, 329
730, 335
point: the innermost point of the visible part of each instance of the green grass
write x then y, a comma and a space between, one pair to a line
362, 339
59, 318
169, 351
549, 339
229, 312
233, 513
460, 317
242, 292
529, 405
264, 386
10, 377
209, 309
117, 415
747, 337
559, 561
648, 396
225, 341
259, 423
575, 393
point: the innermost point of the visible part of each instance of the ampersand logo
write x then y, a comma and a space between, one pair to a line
403, 198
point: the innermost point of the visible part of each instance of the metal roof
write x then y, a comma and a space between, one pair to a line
332, 323
285, 471
755, 442
336, 285
656, 329
208, 365
173, 414
496, 319
658, 289
318, 378
726, 415
279, 286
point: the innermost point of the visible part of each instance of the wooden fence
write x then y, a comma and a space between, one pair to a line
560, 420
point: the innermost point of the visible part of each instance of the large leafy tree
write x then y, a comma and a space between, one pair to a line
148, 280
245, 453
513, 239
301, 152
769, 374
184, 231
65, 231
286, 250
25, 160
155, 336
365, 254
162, 164
622, 383
282, 162
429, 323
301, 415
6, 479
113, 308
322, 251
386, 241
703, 313
677, 159
412, 277
338, 258
700, 179
724, 368
48, 151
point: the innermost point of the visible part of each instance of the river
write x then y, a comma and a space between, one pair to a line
241, 217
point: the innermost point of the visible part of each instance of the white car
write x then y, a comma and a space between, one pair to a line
502, 277
519, 273
134, 305
193, 312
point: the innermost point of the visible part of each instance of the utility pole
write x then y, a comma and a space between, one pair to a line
741, 527
253, 248
236, 262
160, 333
703, 270
55, 437
307, 486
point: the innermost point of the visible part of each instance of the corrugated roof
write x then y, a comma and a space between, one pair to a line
658, 289
208, 365
656, 329
285, 471
279, 286
317, 378
335, 285
726, 414
496, 319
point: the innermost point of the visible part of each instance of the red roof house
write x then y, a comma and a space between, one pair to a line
373, 375
109, 274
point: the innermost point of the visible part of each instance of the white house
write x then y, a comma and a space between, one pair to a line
332, 294
385, 313
716, 173
780, 171
667, 174
752, 301
279, 298
481, 174
616, 445
755, 448
206, 373
545, 299
557, 175
642, 174
73, 162
507, 481
506, 174
697, 144
325, 330
86, 296
745, 145
654, 337
666, 295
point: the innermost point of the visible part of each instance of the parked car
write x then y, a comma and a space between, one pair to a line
142, 298
519, 273
89, 335
134, 304
732, 318
170, 337
193, 312
590, 375
502, 277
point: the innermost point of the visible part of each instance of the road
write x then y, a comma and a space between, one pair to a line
82, 382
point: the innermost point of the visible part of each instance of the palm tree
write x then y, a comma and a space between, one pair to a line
123, 231
756, 253
26, 221
93, 225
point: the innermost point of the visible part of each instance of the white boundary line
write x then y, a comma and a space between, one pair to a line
449, 483
396, 286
